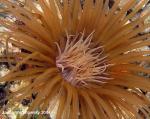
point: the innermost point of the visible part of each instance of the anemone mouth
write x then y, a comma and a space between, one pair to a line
81, 61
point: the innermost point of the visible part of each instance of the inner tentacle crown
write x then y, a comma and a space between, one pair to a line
82, 62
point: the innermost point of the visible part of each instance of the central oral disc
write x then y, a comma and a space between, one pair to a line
81, 62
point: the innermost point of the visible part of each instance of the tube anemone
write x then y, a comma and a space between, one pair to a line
83, 60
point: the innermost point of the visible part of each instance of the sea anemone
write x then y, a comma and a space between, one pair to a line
82, 59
